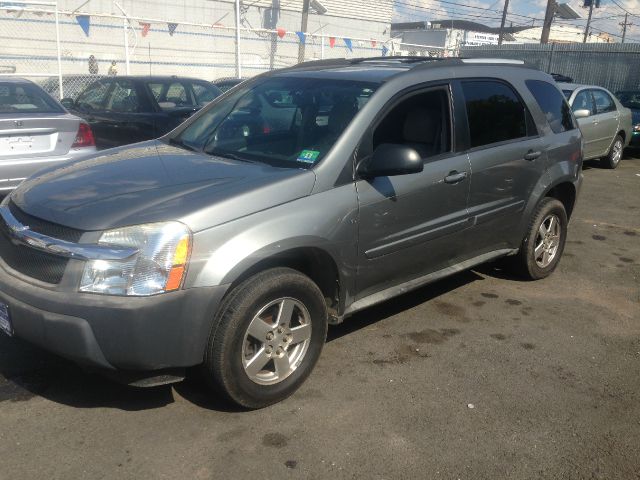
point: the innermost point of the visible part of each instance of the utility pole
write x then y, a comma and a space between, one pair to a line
548, 20
586, 30
504, 19
625, 25
303, 28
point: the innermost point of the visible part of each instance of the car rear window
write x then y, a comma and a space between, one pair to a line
553, 105
26, 98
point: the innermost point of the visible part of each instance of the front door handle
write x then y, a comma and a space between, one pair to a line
531, 155
455, 177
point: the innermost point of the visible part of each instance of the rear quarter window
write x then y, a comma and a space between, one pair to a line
553, 105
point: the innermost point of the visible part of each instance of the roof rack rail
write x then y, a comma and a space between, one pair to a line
506, 61
397, 59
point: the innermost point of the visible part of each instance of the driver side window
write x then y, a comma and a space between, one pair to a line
583, 101
94, 96
420, 121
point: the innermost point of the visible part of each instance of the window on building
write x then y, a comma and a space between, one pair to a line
553, 105
495, 113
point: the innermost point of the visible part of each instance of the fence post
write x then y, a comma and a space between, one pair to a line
238, 59
553, 49
59, 51
125, 24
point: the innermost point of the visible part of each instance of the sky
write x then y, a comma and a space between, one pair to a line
522, 12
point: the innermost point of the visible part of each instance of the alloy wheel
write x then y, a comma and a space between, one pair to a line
276, 341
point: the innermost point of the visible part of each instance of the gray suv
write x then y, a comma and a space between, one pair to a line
289, 203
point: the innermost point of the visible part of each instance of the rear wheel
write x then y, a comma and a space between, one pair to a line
268, 337
543, 245
612, 160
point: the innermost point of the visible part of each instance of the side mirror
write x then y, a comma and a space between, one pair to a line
68, 103
583, 113
391, 159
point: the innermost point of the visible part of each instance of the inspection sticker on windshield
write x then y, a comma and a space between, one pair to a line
308, 156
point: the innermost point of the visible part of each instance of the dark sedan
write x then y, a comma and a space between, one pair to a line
123, 110
631, 100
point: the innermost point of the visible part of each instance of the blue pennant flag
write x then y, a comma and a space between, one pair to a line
85, 22
347, 42
385, 50
172, 28
302, 36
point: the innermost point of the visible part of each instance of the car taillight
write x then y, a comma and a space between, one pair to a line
84, 137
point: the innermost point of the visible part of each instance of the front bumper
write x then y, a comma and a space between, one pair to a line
635, 140
116, 333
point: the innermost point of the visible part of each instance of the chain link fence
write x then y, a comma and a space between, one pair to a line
615, 66
66, 51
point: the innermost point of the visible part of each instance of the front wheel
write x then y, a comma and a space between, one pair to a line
267, 338
543, 245
612, 160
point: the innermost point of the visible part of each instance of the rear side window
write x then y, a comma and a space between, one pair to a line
495, 113
553, 105
25, 98
604, 102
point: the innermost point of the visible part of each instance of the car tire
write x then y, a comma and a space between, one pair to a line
543, 245
612, 160
266, 338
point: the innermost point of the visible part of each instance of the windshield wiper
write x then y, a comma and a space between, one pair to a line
181, 144
229, 155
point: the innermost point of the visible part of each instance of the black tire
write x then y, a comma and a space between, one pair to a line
223, 365
525, 262
612, 160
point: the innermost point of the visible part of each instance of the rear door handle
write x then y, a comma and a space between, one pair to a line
531, 155
455, 177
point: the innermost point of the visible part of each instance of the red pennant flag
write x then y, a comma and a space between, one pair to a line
374, 43
281, 32
145, 28
332, 42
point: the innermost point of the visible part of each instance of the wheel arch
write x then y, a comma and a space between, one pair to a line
313, 261
565, 192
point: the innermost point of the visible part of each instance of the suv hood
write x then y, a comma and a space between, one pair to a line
154, 182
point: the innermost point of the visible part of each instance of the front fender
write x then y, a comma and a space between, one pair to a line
326, 221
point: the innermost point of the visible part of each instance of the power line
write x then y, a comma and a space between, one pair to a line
461, 5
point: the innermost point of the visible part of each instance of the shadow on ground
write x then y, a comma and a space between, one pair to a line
27, 372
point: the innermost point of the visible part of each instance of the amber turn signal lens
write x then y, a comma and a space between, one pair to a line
175, 278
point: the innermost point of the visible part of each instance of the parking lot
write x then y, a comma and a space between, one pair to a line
478, 376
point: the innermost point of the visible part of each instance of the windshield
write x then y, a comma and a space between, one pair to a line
285, 122
629, 99
25, 98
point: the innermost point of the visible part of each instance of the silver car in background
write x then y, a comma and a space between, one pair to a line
605, 124
36, 132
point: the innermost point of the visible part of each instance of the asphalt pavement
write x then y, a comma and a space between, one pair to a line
480, 376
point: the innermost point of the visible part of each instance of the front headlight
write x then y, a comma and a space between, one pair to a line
636, 128
159, 265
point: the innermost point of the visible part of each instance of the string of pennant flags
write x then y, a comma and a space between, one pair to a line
84, 21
